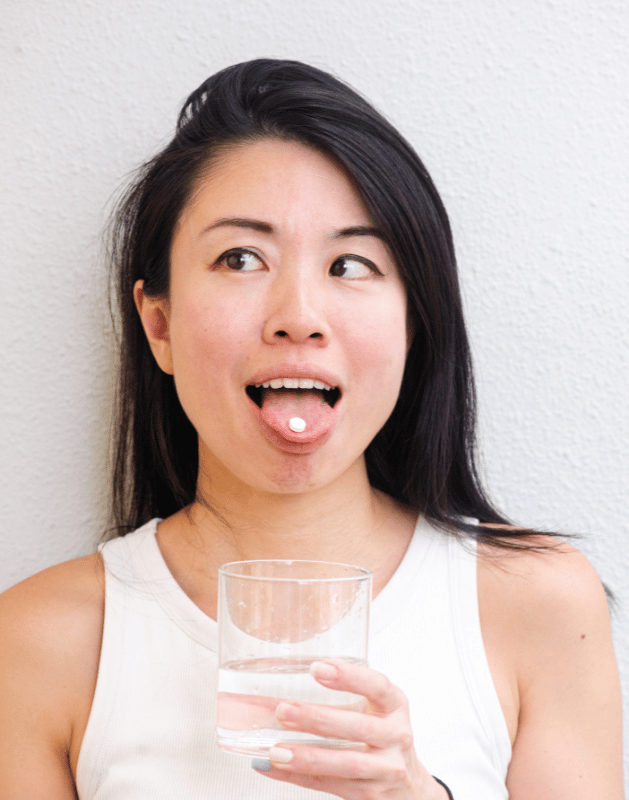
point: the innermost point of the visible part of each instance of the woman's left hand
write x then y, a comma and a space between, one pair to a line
386, 768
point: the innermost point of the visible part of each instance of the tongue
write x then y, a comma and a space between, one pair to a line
280, 406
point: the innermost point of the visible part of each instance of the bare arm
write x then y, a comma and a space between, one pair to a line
550, 613
50, 629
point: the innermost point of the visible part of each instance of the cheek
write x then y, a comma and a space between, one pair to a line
379, 341
206, 339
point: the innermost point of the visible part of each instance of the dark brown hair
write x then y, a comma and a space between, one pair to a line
424, 455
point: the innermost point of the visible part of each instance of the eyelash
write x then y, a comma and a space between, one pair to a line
242, 251
236, 251
361, 260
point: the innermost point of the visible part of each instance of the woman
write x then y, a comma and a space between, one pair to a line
287, 257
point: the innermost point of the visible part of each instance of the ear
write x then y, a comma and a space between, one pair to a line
155, 316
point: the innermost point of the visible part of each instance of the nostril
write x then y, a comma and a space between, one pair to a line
284, 335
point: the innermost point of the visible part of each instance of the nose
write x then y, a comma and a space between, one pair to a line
296, 311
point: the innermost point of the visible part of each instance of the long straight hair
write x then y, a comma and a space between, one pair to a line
424, 456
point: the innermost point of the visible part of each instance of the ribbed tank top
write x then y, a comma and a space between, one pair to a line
151, 730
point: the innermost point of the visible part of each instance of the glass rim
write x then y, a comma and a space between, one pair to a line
362, 572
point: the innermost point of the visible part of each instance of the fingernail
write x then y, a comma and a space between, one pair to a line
261, 764
286, 711
325, 672
280, 755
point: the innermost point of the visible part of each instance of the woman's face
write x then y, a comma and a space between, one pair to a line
278, 277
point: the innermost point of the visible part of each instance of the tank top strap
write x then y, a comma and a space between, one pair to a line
135, 562
406, 579
462, 557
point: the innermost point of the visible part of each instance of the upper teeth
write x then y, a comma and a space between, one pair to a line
293, 383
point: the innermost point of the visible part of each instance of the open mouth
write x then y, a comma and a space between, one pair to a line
257, 392
296, 411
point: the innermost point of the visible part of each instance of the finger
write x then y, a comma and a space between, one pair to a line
322, 762
348, 774
382, 695
338, 723
334, 786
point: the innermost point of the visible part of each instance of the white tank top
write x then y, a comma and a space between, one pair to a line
150, 734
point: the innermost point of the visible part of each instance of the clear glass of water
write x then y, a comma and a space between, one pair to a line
275, 618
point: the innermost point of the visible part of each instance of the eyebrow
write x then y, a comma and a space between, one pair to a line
239, 222
266, 227
360, 230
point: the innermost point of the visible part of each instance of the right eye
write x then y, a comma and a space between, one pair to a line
240, 260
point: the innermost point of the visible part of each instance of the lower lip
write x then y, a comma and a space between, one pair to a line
298, 444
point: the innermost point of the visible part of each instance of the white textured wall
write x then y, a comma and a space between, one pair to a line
520, 110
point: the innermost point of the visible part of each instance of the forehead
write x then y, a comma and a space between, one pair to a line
277, 178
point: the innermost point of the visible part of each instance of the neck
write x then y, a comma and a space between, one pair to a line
347, 521
331, 523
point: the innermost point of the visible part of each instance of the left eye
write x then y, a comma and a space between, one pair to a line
353, 267
239, 260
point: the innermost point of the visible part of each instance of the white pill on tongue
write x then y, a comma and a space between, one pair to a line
281, 406
297, 424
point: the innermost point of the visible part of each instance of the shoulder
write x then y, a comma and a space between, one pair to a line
56, 599
547, 633
541, 601
552, 594
51, 630
546, 628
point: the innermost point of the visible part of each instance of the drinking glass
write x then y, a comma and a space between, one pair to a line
275, 619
